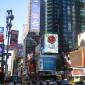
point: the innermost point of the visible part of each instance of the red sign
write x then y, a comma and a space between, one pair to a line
1, 38
51, 39
78, 71
50, 43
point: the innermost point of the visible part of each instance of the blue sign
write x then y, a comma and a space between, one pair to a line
1, 29
49, 63
0, 49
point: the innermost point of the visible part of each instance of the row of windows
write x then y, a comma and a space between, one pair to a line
69, 17
83, 1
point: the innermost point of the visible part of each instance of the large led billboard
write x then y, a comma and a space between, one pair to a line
35, 16
50, 43
48, 63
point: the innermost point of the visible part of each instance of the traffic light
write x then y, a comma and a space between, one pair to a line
1, 49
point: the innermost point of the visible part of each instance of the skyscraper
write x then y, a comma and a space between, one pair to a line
80, 21
60, 18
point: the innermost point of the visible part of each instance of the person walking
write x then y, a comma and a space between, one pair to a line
11, 82
5, 82
47, 83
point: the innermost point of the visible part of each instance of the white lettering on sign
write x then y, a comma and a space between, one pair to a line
51, 46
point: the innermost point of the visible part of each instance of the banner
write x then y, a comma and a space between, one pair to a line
35, 16
50, 43
1, 34
14, 38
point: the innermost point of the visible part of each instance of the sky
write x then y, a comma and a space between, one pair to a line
19, 9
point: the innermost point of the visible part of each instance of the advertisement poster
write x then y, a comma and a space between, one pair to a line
14, 38
50, 43
35, 15
48, 63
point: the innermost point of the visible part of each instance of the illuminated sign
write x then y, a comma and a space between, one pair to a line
50, 43
35, 15
1, 37
78, 72
48, 63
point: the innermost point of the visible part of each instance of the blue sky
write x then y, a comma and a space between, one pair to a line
19, 8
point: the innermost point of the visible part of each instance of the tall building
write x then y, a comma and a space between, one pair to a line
80, 20
80, 16
78, 56
60, 18
69, 24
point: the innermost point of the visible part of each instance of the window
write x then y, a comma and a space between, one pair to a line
69, 27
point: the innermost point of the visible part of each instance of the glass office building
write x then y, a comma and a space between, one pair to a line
69, 24
59, 17
80, 15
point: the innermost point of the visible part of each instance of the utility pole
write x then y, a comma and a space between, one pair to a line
9, 19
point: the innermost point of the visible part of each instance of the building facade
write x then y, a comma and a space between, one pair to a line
59, 17
65, 18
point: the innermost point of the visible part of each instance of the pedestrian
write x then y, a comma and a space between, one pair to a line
5, 82
18, 83
47, 83
11, 82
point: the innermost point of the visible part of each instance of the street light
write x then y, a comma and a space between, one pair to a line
9, 19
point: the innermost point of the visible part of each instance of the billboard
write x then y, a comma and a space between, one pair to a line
78, 72
1, 34
48, 63
1, 49
14, 38
77, 56
50, 43
35, 15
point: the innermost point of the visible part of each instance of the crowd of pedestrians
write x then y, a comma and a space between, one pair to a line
9, 81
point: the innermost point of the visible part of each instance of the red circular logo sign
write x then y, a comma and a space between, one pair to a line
51, 39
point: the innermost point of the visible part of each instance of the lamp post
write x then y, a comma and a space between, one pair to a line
9, 19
